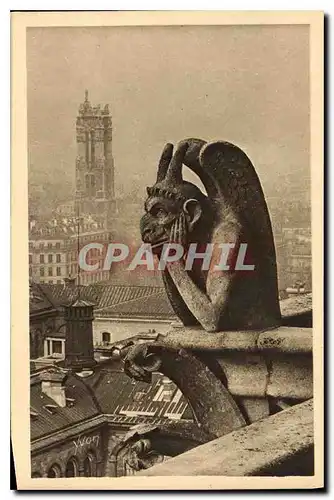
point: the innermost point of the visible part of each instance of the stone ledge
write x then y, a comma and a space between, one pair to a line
275, 375
283, 339
246, 374
291, 380
262, 447
286, 339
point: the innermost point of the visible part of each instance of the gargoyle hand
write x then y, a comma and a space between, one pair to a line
179, 232
139, 363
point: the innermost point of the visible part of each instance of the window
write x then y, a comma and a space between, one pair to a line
87, 467
30, 271
58, 257
57, 346
41, 258
90, 465
105, 337
138, 396
58, 271
50, 258
50, 282
54, 471
50, 271
54, 347
41, 271
58, 245
71, 468
49, 246
30, 258
48, 348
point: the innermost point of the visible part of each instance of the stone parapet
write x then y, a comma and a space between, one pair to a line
268, 447
275, 363
282, 339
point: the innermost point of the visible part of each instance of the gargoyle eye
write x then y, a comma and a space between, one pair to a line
161, 212
158, 212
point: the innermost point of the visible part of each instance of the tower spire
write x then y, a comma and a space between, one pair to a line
86, 95
78, 250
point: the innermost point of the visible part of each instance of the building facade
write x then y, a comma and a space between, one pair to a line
297, 257
48, 258
54, 248
79, 423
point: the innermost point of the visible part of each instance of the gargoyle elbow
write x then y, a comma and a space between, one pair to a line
210, 328
211, 322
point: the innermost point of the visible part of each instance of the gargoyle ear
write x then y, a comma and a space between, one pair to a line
193, 210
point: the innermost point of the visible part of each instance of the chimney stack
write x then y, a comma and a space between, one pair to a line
79, 348
52, 384
70, 282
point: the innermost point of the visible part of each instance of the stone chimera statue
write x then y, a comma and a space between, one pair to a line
233, 211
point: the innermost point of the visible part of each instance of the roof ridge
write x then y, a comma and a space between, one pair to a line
123, 286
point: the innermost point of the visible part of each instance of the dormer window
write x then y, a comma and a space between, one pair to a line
54, 347
51, 409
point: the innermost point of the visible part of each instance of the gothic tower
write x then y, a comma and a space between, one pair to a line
94, 164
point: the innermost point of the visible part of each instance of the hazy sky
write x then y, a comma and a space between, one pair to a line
247, 85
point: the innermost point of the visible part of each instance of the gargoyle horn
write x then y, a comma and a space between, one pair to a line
192, 161
173, 176
164, 162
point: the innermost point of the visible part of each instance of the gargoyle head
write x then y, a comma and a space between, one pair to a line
172, 199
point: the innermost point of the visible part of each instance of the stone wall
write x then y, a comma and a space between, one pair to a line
101, 444
77, 448
124, 328
40, 327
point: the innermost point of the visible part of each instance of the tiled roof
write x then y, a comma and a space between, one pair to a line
116, 294
44, 423
110, 392
62, 295
133, 397
38, 301
110, 300
103, 295
155, 305
131, 301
